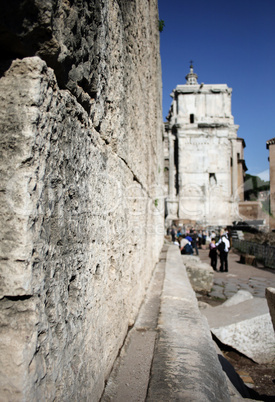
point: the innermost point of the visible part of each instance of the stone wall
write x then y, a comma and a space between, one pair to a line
271, 148
251, 210
81, 185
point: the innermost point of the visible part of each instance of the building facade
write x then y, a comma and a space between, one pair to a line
204, 160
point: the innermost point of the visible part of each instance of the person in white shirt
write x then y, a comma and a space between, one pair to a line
223, 247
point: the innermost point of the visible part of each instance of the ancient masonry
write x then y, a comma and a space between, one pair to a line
203, 156
81, 196
270, 145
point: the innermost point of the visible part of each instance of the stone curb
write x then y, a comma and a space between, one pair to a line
185, 364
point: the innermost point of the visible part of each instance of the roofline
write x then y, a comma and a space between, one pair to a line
270, 142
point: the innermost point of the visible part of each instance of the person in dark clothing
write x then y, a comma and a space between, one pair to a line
173, 235
200, 239
213, 254
203, 238
223, 246
194, 242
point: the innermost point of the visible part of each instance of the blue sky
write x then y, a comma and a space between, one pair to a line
230, 42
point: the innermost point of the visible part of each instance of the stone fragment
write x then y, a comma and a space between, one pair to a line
246, 327
238, 297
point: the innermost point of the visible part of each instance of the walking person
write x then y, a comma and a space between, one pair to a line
223, 247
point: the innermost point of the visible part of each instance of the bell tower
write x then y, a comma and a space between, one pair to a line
204, 155
191, 77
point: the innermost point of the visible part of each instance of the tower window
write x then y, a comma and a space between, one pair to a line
192, 118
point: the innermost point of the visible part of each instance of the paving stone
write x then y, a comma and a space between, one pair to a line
228, 295
245, 286
257, 279
218, 287
219, 281
218, 295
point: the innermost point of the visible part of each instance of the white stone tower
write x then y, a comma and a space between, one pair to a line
204, 156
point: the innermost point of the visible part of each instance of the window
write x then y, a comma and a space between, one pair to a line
192, 118
212, 178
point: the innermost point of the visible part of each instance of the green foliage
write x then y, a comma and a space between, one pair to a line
156, 202
253, 185
161, 25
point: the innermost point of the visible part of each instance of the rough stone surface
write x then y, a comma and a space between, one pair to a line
200, 274
185, 365
246, 327
81, 169
270, 297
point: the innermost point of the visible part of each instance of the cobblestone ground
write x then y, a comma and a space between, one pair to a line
239, 276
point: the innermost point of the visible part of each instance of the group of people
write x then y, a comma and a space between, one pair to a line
189, 237
191, 241
222, 247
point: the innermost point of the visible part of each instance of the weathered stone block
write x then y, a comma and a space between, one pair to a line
246, 327
238, 297
201, 275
